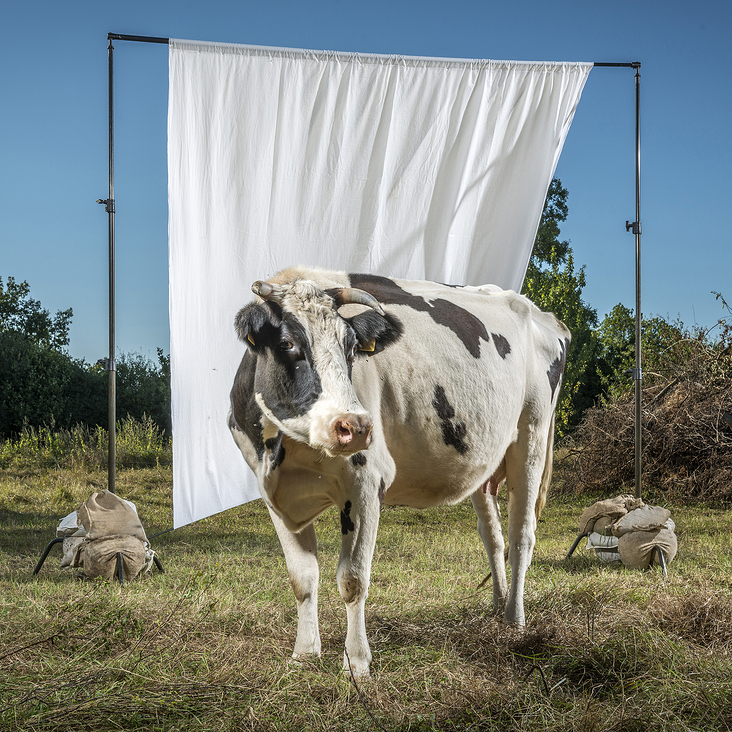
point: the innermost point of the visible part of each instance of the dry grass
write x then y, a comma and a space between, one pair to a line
206, 645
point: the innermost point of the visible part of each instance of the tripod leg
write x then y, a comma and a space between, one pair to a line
661, 560
45, 554
120, 569
576, 542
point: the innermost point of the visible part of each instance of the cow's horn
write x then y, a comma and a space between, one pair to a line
353, 296
265, 290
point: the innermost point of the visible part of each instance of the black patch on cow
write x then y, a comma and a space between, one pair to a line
283, 369
466, 326
557, 367
502, 345
346, 523
276, 450
245, 412
382, 492
257, 324
453, 433
358, 459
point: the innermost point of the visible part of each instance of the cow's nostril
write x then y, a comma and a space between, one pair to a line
344, 432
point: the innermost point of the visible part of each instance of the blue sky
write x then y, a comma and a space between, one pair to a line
53, 137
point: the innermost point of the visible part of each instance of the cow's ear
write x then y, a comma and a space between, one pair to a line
256, 323
375, 332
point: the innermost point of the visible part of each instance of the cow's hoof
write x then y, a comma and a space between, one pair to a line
356, 670
519, 624
497, 608
300, 657
358, 676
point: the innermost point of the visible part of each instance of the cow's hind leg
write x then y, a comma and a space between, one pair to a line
491, 532
524, 467
301, 555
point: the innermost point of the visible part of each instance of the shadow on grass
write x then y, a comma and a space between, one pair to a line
576, 564
26, 532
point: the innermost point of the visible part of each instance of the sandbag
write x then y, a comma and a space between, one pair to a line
603, 525
613, 508
103, 527
106, 514
73, 534
72, 546
605, 546
100, 557
646, 518
636, 547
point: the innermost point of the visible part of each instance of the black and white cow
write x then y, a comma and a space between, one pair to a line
427, 395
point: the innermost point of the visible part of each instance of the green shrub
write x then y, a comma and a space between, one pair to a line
139, 443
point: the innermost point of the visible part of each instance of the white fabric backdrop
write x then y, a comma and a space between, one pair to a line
419, 168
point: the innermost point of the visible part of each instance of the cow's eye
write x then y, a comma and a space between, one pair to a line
286, 344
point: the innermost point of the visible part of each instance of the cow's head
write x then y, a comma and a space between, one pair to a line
304, 352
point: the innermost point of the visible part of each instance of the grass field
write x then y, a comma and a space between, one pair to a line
207, 644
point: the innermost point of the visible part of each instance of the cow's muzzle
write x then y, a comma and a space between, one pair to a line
352, 432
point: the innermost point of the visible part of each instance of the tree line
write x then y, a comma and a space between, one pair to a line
42, 385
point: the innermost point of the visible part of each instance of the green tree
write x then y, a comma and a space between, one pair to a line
143, 388
20, 313
33, 383
669, 350
553, 284
40, 384
547, 245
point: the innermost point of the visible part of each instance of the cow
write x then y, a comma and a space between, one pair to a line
358, 390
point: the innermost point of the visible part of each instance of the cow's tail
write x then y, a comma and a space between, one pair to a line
546, 476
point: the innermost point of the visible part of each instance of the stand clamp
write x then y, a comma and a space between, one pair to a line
108, 204
633, 226
109, 364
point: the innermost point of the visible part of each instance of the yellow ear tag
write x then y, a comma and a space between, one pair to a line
369, 347
250, 339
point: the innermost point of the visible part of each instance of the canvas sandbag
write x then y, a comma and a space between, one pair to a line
645, 518
605, 546
636, 547
73, 535
105, 514
107, 526
603, 525
100, 557
613, 508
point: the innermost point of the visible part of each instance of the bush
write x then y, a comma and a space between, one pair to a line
43, 386
139, 444
686, 416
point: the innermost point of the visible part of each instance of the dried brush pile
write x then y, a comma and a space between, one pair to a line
686, 428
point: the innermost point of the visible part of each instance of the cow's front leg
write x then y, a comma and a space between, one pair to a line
301, 555
359, 525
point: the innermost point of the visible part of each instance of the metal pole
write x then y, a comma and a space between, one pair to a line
636, 228
111, 365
